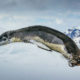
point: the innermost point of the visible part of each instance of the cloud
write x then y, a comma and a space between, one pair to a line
59, 21
39, 5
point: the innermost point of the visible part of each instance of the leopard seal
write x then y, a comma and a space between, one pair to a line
45, 38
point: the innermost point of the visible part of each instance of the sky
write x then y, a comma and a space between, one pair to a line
20, 61
57, 14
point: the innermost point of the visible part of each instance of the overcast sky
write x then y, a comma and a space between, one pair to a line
39, 5
60, 14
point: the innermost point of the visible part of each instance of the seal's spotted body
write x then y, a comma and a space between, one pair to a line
46, 38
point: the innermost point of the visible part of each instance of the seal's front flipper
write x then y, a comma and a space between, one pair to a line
45, 48
40, 45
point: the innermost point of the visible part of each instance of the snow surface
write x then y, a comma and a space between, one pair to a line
21, 61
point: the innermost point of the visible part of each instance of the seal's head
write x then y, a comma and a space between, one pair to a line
5, 38
75, 61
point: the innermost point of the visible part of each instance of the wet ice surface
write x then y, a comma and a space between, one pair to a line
21, 61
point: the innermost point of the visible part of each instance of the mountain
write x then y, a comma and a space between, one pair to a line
74, 34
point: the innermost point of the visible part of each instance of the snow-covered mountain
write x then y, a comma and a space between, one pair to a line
74, 33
